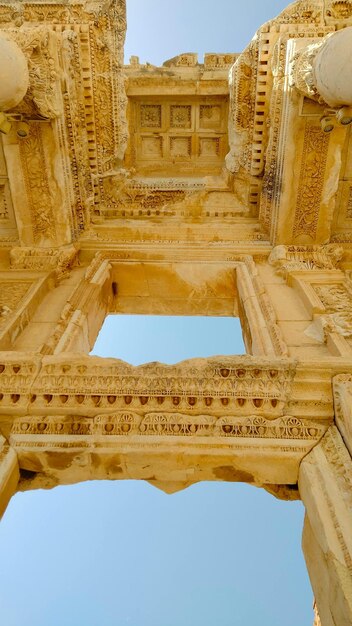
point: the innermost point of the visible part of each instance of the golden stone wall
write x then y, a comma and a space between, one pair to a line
116, 197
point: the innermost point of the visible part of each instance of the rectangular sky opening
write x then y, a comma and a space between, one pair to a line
141, 339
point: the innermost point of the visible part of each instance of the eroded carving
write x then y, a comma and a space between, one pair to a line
287, 259
337, 301
161, 424
311, 182
11, 295
45, 259
40, 46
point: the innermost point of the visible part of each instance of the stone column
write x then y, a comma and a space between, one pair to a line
332, 69
325, 484
14, 75
9, 474
323, 70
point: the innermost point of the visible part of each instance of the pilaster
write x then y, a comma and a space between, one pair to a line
325, 485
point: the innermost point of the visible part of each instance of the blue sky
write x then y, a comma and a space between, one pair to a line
124, 553
160, 29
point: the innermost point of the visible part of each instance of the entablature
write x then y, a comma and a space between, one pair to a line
63, 413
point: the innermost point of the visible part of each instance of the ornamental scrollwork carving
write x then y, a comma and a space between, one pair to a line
287, 259
40, 46
303, 73
11, 296
311, 182
302, 13
339, 460
337, 301
37, 184
243, 77
342, 387
339, 9
60, 260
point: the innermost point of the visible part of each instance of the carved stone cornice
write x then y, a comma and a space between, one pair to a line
68, 410
238, 386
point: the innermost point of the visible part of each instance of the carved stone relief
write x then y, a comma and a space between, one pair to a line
45, 259
162, 424
40, 46
339, 9
312, 175
11, 295
38, 186
287, 259
171, 203
337, 301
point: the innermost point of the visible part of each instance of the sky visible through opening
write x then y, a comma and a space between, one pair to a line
122, 553
145, 338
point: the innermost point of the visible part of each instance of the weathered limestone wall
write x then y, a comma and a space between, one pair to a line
113, 208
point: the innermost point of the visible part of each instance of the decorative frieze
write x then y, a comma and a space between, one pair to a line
288, 259
38, 190
264, 386
12, 294
60, 260
129, 424
311, 181
338, 9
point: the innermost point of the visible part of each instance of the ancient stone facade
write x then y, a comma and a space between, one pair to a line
214, 188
